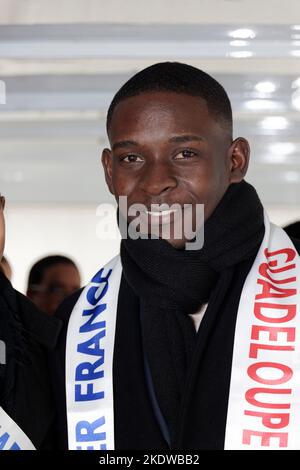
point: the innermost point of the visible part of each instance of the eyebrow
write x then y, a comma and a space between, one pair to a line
186, 138
176, 139
124, 143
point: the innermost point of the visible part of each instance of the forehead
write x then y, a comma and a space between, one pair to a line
163, 112
60, 272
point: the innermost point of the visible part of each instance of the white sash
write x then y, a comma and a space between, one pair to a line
255, 420
89, 361
264, 398
11, 436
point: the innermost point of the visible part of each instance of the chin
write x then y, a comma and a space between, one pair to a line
178, 244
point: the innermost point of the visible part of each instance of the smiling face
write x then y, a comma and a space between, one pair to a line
2, 226
168, 148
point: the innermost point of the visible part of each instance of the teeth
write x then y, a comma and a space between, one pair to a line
160, 213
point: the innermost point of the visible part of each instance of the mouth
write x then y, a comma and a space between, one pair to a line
160, 213
159, 217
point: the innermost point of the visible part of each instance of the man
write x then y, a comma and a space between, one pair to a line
51, 280
156, 348
26, 338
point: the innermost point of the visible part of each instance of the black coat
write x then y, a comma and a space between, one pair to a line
25, 389
204, 406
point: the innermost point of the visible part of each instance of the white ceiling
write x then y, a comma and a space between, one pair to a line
145, 12
61, 65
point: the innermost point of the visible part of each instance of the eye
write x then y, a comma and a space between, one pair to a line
185, 154
131, 158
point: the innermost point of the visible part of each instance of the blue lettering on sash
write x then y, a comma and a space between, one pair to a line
3, 441
92, 346
93, 314
98, 279
88, 371
93, 291
86, 432
89, 394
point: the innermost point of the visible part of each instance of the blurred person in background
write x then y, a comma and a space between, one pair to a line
51, 280
5, 267
26, 338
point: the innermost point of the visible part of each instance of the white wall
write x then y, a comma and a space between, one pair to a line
35, 231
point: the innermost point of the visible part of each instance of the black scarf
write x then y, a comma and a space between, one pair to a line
171, 284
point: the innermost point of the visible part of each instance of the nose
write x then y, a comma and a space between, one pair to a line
157, 179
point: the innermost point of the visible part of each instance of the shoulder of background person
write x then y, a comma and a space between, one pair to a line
296, 243
63, 314
56, 360
65, 309
42, 328
26, 394
39, 328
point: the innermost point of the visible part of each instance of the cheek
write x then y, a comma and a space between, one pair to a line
209, 188
124, 184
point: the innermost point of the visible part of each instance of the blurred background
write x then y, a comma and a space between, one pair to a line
61, 61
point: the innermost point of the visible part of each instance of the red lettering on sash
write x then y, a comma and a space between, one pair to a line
254, 347
254, 368
267, 291
265, 437
269, 265
284, 419
264, 268
271, 336
289, 252
274, 331
291, 312
252, 392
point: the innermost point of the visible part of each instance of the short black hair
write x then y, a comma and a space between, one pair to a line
37, 271
179, 78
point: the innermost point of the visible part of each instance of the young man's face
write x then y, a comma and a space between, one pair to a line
167, 148
59, 281
2, 226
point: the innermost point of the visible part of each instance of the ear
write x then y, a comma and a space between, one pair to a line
239, 154
107, 166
